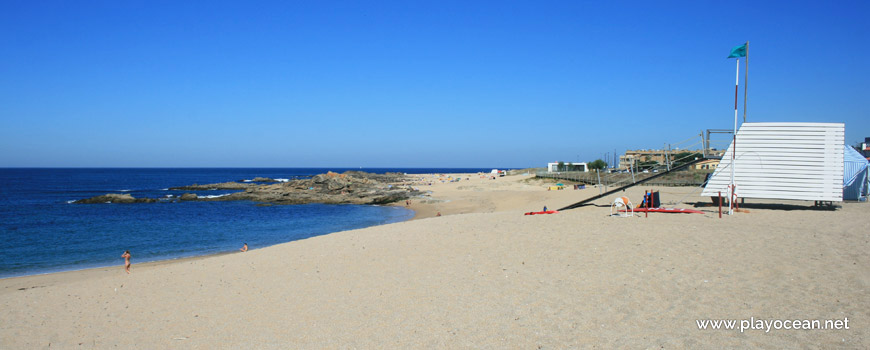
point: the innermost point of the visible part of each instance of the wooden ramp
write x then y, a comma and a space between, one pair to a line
588, 200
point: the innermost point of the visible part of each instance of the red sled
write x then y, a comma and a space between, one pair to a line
666, 210
542, 212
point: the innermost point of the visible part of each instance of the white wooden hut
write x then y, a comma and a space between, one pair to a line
802, 161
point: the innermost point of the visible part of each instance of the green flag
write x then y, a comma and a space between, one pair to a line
738, 51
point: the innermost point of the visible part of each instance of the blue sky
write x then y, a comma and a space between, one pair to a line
409, 83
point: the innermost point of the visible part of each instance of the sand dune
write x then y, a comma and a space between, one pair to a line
481, 276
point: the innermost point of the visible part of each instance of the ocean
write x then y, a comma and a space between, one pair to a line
42, 232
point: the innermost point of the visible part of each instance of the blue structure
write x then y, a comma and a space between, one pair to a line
856, 179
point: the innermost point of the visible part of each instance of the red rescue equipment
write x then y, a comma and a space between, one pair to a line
667, 210
542, 212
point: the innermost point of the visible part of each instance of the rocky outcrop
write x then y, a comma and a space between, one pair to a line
115, 198
330, 188
352, 187
386, 178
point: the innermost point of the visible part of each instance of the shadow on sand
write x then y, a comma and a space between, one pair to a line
765, 206
773, 206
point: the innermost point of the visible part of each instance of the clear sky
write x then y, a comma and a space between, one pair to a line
409, 83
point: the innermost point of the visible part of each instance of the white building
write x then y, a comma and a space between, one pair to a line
567, 166
801, 161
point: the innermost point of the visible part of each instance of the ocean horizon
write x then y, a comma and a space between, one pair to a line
42, 231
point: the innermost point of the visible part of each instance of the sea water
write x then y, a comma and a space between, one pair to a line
41, 230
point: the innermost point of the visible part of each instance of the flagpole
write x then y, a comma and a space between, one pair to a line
746, 81
734, 141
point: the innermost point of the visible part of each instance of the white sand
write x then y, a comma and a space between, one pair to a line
481, 276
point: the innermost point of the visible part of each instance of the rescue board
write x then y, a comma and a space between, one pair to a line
666, 210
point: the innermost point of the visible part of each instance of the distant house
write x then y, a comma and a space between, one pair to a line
865, 147
566, 166
708, 164
633, 157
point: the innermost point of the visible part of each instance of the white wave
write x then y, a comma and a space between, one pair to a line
70, 201
215, 196
165, 189
124, 190
247, 180
282, 180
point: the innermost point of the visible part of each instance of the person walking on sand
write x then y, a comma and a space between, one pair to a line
244, 248
126, 257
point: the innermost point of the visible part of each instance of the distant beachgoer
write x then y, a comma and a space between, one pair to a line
407, 202
126, 257
244, 248
545, 208
439, 214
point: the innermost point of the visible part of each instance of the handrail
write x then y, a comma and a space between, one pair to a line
587, 200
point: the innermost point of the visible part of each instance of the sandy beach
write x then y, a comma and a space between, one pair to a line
482, 275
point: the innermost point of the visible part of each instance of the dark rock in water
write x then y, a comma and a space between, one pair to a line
263, 179
189, 197
115, 198
218, 186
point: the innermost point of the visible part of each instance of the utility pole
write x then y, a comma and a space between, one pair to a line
703, 145
666, 149
597, 173
746, 81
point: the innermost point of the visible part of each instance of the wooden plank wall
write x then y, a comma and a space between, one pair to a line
802, 161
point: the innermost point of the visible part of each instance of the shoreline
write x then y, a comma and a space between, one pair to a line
160, 261
90, 271
421, 211
152, 263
